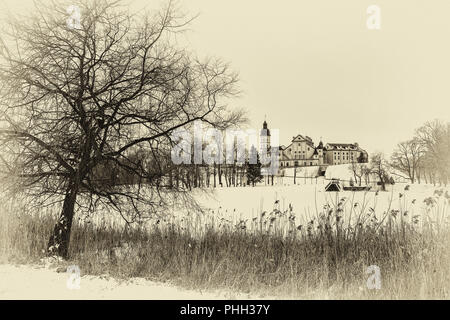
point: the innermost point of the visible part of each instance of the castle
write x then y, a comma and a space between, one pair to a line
302, 152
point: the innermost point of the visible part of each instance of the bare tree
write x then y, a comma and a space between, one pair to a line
378, 166
434, 139
358, 172
366, 172
74, 100
406, 158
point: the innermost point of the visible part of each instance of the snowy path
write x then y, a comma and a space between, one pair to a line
27, 282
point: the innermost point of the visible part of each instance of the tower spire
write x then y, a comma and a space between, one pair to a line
265, 123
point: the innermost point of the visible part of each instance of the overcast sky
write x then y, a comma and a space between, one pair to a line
313, 67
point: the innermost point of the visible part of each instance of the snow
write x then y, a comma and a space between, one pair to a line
306, 197
38, 282
341, 172
246, 203
250, 200
301, 171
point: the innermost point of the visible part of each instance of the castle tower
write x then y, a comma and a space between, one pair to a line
264, 139
320, 152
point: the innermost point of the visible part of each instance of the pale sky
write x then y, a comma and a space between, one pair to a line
314, 68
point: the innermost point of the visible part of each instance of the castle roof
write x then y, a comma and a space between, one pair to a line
343, 146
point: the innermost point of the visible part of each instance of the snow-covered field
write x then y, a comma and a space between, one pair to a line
306, 197
32, 282
250, 202
308, 194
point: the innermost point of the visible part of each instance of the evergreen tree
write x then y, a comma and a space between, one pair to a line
254, 169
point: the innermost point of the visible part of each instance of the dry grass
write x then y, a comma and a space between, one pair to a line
274, 255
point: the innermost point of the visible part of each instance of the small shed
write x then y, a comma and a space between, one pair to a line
334, 185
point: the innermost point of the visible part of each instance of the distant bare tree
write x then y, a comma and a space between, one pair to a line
358, 170
74, 100
434, 139
379, 167
366, 172
406, 158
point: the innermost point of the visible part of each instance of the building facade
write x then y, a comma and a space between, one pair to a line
342, 153
301, 151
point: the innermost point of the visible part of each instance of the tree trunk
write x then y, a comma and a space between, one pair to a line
170, 178
188, 178
59, 240
233, 175
195, 176
383, 184
225, 175
215, 172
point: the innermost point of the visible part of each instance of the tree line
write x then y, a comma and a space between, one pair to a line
165, 174
426, 156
